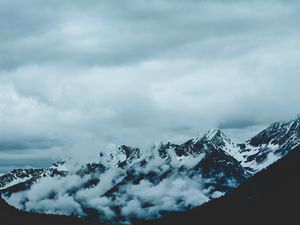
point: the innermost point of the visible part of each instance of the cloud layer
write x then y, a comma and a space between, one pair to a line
76, 76
115, 196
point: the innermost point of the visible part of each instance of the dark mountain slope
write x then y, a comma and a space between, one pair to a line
270, 197
12, 216
116, 187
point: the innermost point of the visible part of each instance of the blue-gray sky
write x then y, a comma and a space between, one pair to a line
76, 76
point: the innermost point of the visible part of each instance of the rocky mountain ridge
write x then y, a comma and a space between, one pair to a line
126, 184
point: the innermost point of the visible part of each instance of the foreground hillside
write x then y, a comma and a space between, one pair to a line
270, 197
12, 216
126, 184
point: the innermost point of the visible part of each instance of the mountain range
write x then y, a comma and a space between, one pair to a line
271, 196
126, 184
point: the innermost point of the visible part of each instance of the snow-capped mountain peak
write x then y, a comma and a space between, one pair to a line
271, 144
279, 133
120, 182
18, 176
115, 155
214, 136
214, 133
219, 140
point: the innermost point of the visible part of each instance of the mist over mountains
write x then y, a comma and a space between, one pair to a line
82, 75
125, 183
87, 88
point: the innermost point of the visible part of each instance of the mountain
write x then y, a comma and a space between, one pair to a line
271, 144
17, 176
12, 216
126, 184
269, 197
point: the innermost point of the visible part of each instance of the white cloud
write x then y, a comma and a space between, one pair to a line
70, 196
84, 75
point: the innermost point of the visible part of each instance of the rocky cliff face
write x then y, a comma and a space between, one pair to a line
125, 184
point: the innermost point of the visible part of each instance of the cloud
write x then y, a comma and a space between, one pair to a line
81, 75
117, 196
89, 33
51, 195
238, 123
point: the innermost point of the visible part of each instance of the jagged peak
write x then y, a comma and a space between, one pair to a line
282, 125
130, 152
115, 154
296, 121
211, 134
215, 135
282, 132
275, 125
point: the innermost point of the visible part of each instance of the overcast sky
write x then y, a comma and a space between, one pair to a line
76, 76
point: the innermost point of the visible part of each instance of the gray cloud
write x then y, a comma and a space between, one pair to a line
118, 33
8, 164
80, 75
238, 123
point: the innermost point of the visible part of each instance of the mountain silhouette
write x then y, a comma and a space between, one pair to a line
11, 216
269, 197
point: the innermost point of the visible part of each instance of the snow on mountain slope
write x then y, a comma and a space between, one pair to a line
125, 184
15, 177
18, 176
218, 138
271, 144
